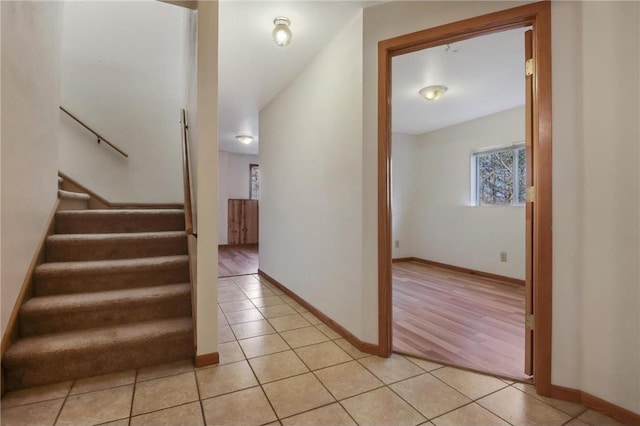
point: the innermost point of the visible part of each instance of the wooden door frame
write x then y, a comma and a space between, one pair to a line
538, 16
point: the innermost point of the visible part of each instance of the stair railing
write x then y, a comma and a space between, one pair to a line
189, 218
96, 134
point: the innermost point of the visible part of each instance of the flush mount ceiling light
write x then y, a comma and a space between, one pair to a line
245, 139
281, 32
433, 93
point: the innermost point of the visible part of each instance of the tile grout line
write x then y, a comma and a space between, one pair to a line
546, 403
275, 413
101, 389
470, 369
472, 400
164, 408
297, 347
465, 395
133, 395
395, 381
335, 400
64, 402
32, 402
177, 373
204, 418
151, 412
388, 386
540, 398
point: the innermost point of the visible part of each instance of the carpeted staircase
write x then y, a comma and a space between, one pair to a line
113, 294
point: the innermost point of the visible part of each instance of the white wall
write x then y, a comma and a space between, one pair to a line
568, 168
311, 176
442, 226
207, 175
596, 303
190, 62
610, 233
404, 170
31, 40
233, 182
124, 74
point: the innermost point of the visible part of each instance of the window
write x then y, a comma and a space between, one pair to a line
499, 176
254, 181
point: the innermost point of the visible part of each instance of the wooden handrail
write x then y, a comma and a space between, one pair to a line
190, 224
186, 174
96, 134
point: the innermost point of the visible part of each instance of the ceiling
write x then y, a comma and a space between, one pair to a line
253, 70
484, 75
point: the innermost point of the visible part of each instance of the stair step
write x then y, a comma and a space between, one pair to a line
103, 275
72, 200
59, 313
73, 195
119, 221
52, 358
77, 247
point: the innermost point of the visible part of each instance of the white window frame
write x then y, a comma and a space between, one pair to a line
515, 147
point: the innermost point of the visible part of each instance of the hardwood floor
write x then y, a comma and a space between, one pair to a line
240, 259
458, 318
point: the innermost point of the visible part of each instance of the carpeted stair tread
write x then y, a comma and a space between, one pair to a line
125, 237
120, 220
106, 266
73, 195
90, 301
52, 314
102, 275
38, 347
70, 201
131, 212
70, 355
83, 247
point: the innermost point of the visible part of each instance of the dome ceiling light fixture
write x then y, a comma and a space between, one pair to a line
245, 139
433, 93
281, 32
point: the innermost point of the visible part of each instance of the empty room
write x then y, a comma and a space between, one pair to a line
458, 190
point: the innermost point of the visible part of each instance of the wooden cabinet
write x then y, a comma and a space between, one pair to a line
242, 221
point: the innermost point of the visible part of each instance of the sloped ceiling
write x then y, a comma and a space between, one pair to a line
253, 70
484, 75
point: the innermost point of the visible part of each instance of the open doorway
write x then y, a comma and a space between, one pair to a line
458, 190
238, 207
538, 186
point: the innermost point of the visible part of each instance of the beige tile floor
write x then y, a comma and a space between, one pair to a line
280, 365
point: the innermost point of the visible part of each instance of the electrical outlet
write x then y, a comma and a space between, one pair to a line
397, 243
503, 256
